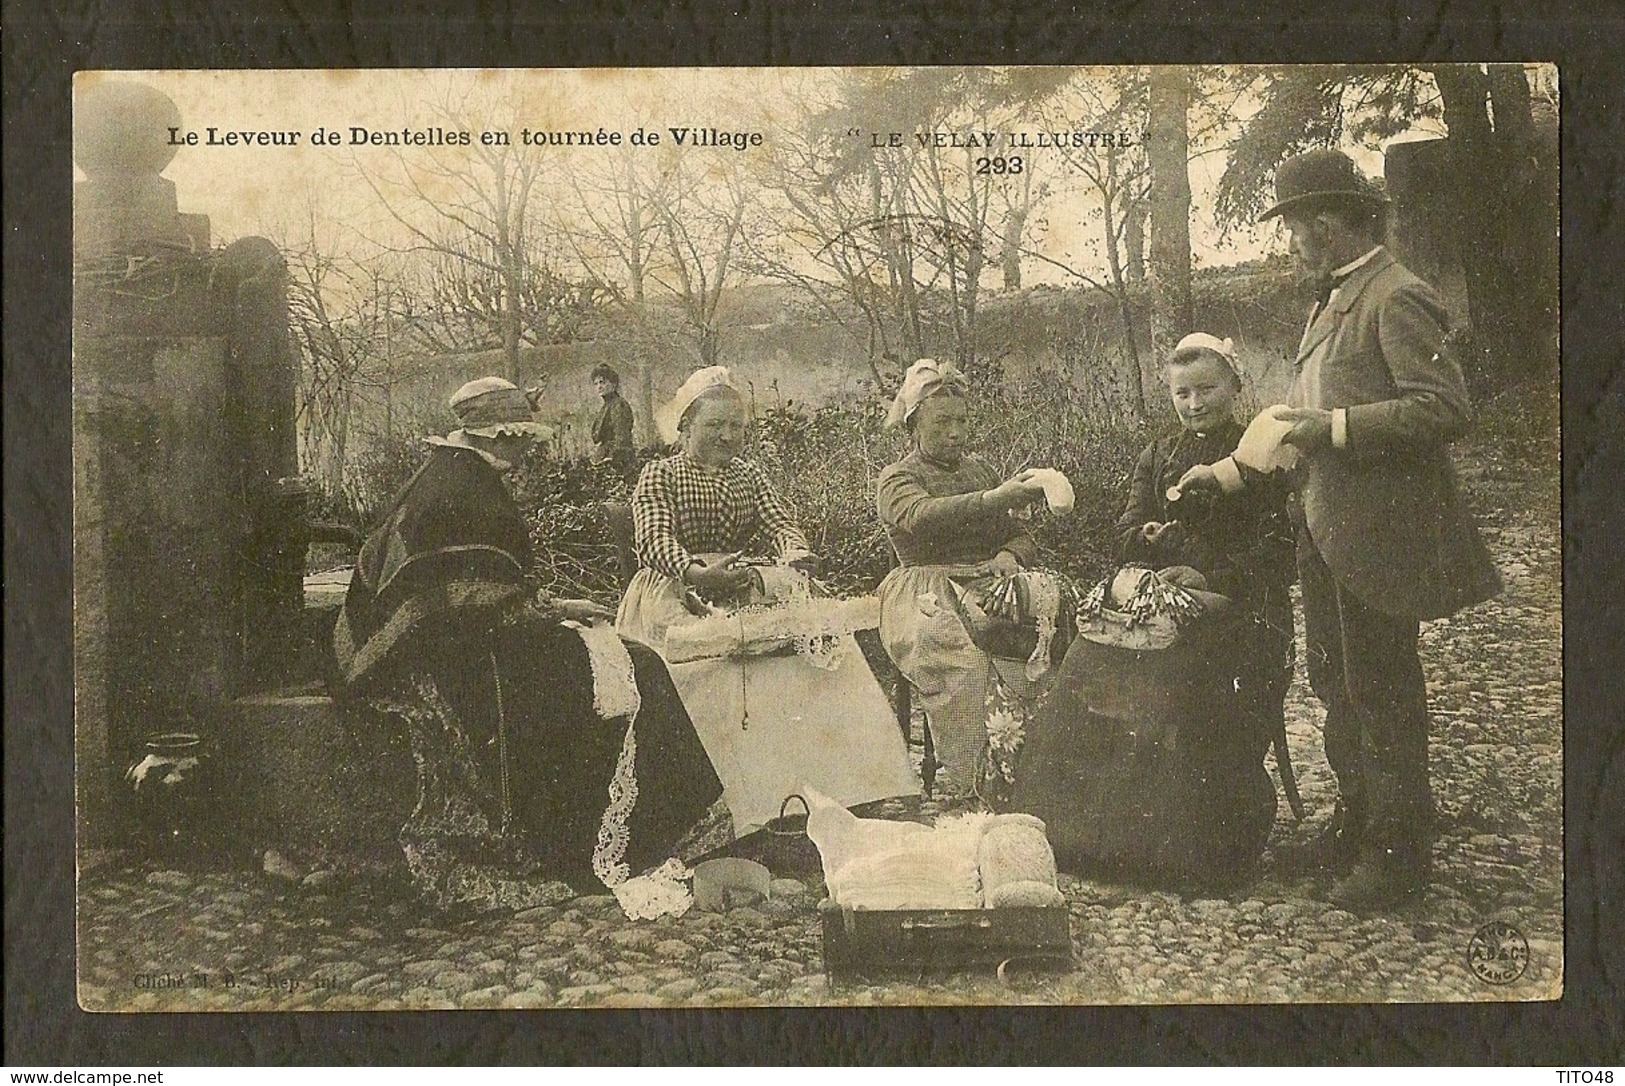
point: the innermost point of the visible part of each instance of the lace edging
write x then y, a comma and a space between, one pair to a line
609, 855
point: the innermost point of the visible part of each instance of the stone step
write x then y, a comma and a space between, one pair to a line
302, 776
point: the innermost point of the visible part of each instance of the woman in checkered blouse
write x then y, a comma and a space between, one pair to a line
773, 725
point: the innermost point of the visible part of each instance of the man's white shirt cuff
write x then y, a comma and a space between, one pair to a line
1228, 474
1340, 428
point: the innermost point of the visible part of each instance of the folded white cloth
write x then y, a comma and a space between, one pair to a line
1058, 493
614, 682
1261, 448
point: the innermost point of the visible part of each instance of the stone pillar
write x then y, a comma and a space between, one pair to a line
251, 282
154, 519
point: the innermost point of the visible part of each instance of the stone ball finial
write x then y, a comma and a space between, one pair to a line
122, 128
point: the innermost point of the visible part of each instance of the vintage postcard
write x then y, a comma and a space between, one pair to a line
804, 536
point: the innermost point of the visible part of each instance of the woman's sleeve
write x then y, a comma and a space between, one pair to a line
904, 503
621, 436
1141, 510
654, 524
775, 518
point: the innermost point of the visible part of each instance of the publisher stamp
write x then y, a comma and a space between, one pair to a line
1498, 953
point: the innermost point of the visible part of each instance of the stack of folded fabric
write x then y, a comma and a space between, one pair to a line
969, 861
1015, 863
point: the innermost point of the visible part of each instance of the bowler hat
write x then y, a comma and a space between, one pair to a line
1320, 177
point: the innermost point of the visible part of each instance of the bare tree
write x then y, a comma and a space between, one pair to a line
341, 315
471, 209
1168, 157
701, 216
825, 244
906, 225
614, 225
1118, 177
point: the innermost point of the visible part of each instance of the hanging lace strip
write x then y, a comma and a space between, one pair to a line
609, 855
614, 683
649, 896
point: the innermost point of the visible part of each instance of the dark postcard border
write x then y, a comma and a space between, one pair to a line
42, 49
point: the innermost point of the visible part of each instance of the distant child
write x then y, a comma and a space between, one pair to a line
1242, 544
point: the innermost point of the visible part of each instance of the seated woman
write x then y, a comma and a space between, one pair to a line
1148, 755
549, 753
948, 517
1242, 544
774, 725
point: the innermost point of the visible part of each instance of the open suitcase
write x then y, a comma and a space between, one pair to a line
862, 944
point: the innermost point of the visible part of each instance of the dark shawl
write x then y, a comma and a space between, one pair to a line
450, 555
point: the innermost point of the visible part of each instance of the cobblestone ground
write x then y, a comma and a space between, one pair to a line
331, 939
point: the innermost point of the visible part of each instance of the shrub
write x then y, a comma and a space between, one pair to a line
824, 462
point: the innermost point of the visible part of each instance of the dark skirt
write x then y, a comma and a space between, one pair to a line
522, 784
1149, 764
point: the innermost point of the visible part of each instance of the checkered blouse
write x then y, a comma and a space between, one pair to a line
680, 509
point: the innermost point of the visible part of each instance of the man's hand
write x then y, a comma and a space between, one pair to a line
1311, 427
1004, 564
721, 578
1197, 480
584, 610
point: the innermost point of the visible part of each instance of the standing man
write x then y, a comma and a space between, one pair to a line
1384, 539
612, 432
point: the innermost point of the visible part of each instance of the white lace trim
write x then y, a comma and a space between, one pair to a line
659, 893
609, 855
614, 682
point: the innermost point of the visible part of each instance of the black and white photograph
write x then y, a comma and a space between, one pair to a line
816, 536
